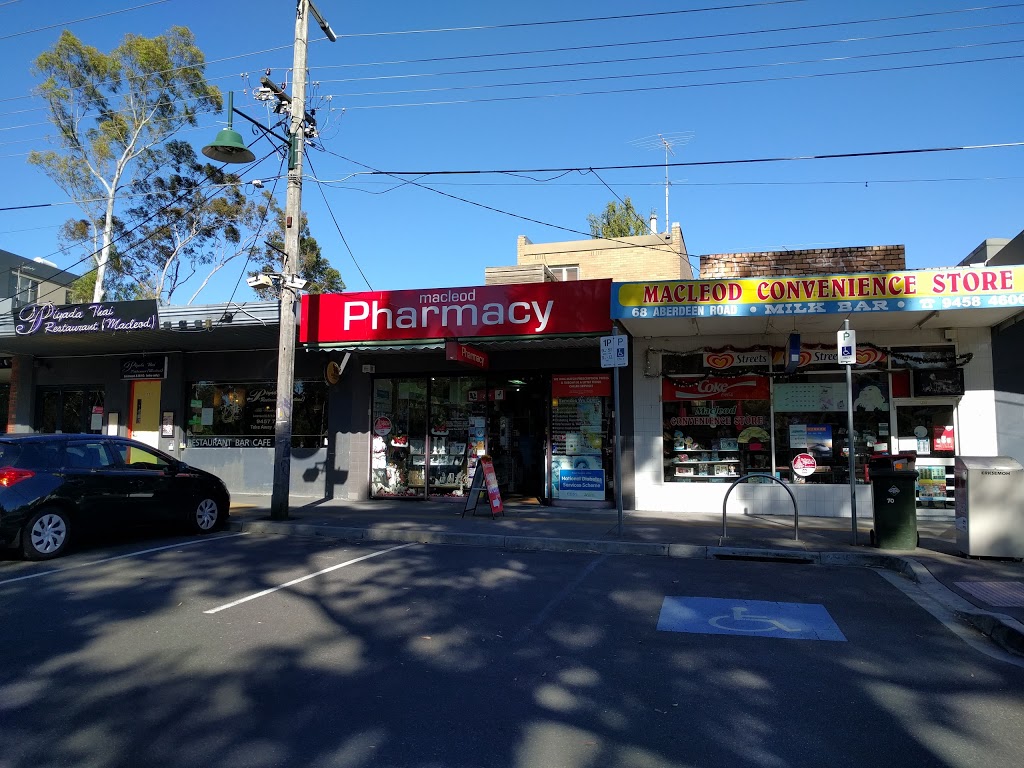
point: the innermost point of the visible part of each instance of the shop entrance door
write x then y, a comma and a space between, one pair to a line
144, 413
929, 429
516, 434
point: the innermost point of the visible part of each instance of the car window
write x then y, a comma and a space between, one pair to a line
25, 455
86, 456
137, 457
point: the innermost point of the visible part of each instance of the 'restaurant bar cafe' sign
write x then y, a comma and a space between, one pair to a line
67, 319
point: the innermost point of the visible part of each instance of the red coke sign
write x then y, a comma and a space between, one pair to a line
525, 309
751, 387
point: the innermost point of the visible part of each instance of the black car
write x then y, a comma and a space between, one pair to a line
52, 486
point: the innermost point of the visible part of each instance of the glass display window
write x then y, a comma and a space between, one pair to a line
811, 417
398, 441
242, 414
582, 449
67, 409
715, 429
457, 418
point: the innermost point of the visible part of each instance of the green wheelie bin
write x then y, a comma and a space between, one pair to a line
893, 504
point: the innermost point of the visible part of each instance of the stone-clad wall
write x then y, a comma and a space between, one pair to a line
816, 261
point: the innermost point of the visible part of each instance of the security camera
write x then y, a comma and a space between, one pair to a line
296, 283
259, 280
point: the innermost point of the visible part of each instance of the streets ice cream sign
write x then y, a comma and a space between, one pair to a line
531, 309
69, 319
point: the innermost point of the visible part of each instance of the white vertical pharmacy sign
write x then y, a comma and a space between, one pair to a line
613, 351
846, 343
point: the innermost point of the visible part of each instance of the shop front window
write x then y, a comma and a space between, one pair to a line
458, 413
398, 451
70, 410
811, 417
582, 450
242, 414
715, 428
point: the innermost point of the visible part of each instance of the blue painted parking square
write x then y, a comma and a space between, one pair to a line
758, 618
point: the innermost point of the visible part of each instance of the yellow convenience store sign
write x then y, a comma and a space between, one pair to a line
958, 288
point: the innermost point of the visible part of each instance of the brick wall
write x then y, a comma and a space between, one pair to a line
647, 257
815, 261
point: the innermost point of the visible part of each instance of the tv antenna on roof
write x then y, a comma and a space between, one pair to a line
665, 141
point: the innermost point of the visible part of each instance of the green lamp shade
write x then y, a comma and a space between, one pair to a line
228, 147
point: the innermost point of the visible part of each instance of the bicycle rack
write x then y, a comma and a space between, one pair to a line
796, 509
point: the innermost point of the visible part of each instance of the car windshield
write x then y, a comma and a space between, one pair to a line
27, 455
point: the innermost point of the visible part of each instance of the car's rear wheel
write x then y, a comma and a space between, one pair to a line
205, 515
46, 534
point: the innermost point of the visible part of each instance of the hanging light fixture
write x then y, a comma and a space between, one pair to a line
228, 147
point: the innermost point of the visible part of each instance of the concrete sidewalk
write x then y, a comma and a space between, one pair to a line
986, 593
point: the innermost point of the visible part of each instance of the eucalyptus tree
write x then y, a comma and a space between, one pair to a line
111, 110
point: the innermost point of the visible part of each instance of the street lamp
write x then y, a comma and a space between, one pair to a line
228, 148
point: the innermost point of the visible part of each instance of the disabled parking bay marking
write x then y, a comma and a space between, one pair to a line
759, 618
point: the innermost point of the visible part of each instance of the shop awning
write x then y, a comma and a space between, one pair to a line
959, 297
825, 324
503, 343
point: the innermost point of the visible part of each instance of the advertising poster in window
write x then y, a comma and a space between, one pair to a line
943, 438
578, 425
819, 440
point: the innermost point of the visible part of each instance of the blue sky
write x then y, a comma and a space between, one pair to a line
940, 205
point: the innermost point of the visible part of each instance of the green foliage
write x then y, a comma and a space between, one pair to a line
618, 221
112, 109
186, 216
80, 237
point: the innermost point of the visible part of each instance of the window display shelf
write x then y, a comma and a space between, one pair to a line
708, 461
693, 450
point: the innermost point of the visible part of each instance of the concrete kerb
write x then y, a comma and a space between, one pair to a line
1004, 630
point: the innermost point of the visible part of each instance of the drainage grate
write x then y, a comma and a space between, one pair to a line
999, 594
766, 559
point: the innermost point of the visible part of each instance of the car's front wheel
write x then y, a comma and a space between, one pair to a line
46, 534
205, 515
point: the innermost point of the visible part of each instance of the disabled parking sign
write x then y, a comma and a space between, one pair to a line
751, 618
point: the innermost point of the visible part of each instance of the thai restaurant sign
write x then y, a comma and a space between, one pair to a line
99, 317
921, 290
524, 309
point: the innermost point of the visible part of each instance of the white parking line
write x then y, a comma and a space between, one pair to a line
299, 580
121, 557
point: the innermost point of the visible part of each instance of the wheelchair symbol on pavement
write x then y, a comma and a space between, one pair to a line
762, 619
741, 621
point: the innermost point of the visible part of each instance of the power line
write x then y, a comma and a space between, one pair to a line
607, 45
529, 24
647, 184
689, 38
586, 235
340, 233
688, 54
594, 46
639, 89
259, 228
701, 71
64, 24
690, 163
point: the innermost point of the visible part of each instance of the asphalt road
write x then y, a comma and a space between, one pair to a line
241, 650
